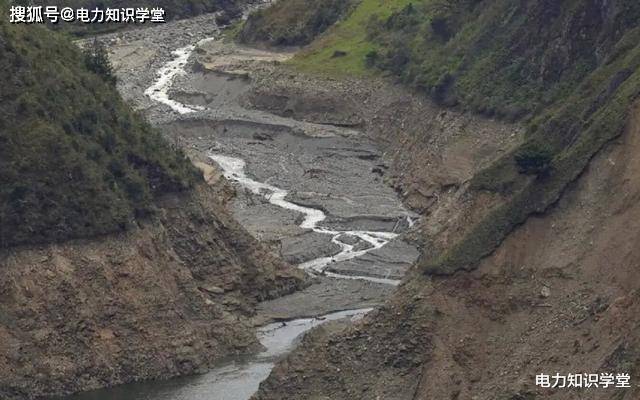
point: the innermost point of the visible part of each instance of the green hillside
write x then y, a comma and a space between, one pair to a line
75, 161
348, 36
567, 69
293, 22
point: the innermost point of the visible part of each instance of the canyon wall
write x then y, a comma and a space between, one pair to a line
170, 297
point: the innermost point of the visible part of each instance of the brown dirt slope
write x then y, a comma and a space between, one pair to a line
167, 298
560, 294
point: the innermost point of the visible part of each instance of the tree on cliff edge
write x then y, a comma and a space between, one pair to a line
96, 59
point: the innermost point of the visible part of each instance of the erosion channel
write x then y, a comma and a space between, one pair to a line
311, 192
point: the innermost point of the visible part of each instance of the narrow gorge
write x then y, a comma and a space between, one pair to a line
336, 220
322, 200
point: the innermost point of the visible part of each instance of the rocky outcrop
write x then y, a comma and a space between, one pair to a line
168, 298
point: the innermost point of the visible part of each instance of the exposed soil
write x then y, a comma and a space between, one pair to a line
336, 146
560, 295
168, 298
428, 154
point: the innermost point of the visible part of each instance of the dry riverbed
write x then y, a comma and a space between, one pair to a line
314, 193
322, 167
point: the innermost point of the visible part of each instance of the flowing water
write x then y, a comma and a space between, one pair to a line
159, 91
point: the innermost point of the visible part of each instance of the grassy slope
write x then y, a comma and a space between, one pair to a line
571, 69
349, 36
75, 161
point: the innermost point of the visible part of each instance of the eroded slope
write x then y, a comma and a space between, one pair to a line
524, 271
560, 294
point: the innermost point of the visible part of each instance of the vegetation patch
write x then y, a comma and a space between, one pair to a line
75, 160
348, 36
293, 22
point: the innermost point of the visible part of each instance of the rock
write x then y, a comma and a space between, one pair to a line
349, 239
223, 19
545, 292
213, 289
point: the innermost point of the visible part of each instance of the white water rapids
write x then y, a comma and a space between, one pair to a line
234, 170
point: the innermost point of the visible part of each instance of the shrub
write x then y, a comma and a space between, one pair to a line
75, 160
96, 59
534, 159
440, 27
371, 58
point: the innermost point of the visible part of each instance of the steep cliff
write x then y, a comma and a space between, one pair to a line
560, 295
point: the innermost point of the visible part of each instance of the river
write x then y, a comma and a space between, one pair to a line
353, 197
234, 380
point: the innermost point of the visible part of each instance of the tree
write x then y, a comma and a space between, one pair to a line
96, 58
371, 59
534, 159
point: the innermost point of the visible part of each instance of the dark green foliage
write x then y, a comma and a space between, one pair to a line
405, 20
506, 58
293, 22
440, 27
534, 159
96, 59
371, 58
75, 161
